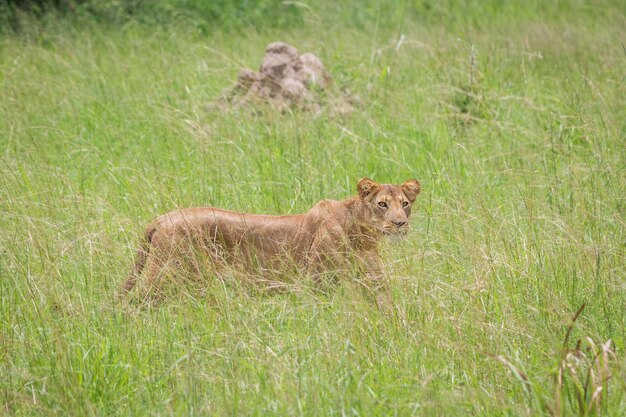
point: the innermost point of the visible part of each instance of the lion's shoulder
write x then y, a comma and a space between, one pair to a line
328, 208
328, 211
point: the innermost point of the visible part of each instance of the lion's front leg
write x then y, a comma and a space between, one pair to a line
327, 257
374, 280
371, 268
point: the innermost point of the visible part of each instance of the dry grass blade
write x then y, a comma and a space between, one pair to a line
589, 373
519, 374
572, 323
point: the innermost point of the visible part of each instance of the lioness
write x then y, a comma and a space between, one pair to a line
332, 237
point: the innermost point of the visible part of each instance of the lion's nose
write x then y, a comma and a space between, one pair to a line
399, 224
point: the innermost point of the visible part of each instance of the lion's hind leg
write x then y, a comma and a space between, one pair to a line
160, 269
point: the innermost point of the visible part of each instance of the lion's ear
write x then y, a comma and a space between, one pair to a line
411, 189
367, 188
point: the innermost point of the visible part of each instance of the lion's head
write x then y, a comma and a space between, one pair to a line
390, 204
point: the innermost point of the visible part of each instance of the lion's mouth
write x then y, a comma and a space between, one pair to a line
395, 232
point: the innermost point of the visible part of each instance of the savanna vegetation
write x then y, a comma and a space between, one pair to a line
509, 292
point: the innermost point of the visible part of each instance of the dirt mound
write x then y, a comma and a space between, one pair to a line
286, 80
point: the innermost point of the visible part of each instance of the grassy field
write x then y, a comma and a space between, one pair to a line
511, 114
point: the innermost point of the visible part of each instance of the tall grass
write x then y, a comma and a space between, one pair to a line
511, 115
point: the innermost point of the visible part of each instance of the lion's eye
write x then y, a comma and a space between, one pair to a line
382, 204
405, 203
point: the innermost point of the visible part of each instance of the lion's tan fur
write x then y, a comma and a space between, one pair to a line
331, 237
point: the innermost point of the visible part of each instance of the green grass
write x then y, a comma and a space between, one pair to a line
512, 115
